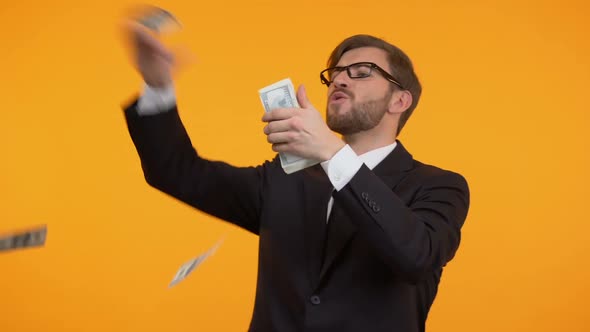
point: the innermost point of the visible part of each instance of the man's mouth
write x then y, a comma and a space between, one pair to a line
338, 96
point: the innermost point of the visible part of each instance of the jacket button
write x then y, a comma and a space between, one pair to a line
365, 196
315, 300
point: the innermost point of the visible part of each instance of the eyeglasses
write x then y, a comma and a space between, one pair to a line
355, 71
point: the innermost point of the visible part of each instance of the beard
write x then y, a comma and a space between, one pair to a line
361, 116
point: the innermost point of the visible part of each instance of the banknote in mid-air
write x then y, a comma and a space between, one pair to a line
282, 95
157, 19
34, 237
189, 266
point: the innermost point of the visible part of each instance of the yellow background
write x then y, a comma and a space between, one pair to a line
505, 103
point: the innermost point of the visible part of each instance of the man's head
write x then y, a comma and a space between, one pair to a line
368, 78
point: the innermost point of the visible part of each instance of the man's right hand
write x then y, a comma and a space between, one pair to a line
152, 59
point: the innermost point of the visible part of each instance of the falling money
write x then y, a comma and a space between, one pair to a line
158, 19
24, 239
189, 266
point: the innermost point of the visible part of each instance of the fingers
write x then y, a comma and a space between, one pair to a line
283, 133
143, 40
277, 127
182, 58
183, 55
280, 138
279, 114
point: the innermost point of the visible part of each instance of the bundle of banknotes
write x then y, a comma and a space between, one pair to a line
282, 95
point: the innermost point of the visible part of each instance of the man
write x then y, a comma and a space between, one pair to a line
355, 243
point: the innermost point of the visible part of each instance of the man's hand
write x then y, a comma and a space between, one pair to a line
152, 59
301, 131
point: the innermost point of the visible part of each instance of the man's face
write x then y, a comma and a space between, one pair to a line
356, 105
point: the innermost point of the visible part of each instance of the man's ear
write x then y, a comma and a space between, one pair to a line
400, 101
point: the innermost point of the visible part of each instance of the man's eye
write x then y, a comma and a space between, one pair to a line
363, 73
361, 70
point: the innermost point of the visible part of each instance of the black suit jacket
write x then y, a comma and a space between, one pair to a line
392, 230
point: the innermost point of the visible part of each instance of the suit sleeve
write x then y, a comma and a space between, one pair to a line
171, 165
413, 239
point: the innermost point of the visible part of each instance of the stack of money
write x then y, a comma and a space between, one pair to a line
282, 95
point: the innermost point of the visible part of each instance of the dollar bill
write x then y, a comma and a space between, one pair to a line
192, 264
24, 239
157, 19
282, 95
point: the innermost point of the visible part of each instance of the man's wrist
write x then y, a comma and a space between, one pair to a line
156, 100
342, 167
332, 149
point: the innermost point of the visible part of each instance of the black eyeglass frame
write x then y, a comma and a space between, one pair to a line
371, 65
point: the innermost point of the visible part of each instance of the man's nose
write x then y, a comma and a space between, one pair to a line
341, 80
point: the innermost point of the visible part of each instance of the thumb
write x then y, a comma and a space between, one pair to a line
182, 58
302, 98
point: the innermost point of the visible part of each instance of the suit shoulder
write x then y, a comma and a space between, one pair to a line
428, 172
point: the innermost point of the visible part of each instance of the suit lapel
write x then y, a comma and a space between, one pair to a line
317, 191
395, 165
391, 170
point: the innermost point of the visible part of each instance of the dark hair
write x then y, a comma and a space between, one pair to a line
400, 65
